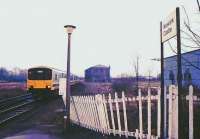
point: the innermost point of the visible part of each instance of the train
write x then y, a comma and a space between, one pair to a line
44, 81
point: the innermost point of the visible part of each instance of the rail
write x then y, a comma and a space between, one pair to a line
19, 106
14, 98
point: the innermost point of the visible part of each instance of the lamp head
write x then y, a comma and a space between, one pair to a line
69, 28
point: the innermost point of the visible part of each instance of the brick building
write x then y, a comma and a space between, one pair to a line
190, 69
98, 73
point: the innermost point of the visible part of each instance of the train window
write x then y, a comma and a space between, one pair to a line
56, 77
39, 74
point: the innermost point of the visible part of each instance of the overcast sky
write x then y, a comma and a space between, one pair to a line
109, 32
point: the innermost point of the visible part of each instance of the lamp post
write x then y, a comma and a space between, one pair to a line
69, 29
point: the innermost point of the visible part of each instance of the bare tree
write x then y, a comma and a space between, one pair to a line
198, 5
136, 69
149, 78
190, 36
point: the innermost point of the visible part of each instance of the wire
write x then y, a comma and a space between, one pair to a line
191, 37
191, 31
183, 57
186, 14
193, 47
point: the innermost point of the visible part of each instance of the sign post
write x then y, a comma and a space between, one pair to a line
163, 114
170, 28
181, 124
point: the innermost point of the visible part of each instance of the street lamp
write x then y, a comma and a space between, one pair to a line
68, 29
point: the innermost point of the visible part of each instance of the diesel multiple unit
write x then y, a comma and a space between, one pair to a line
44, 79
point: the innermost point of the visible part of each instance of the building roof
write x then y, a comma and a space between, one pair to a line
98, 66
183, 53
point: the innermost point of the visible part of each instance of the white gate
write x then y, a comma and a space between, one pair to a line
108, 115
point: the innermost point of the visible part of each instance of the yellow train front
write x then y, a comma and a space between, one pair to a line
44, 81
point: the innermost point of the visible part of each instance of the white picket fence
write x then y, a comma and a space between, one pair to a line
103, 114
92, 112
173, 112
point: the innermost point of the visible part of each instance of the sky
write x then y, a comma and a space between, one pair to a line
109, 32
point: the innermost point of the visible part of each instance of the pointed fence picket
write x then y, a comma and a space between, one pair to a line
191, 99
172, 97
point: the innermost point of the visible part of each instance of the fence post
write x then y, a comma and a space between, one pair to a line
149, 113
111, 113
106, 115
83, 109
140, 115
159, 113
97, 114
89, 113
86, 111
118, 114
165, 113
173, 112
92, 113
136, 133
79, 110
71, 110
73, 115
191, 112
125, 115
100, 113
170, 113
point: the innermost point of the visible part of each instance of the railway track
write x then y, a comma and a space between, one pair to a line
14, 107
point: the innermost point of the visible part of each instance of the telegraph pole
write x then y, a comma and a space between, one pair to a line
163, 117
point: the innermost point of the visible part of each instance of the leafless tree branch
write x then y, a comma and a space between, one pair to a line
198, 5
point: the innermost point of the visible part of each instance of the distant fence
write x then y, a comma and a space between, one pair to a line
111, 115
12, 85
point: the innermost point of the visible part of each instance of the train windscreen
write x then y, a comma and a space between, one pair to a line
40, 74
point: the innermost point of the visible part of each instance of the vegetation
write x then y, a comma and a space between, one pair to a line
15, 75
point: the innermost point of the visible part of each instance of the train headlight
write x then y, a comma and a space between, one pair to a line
48, 86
